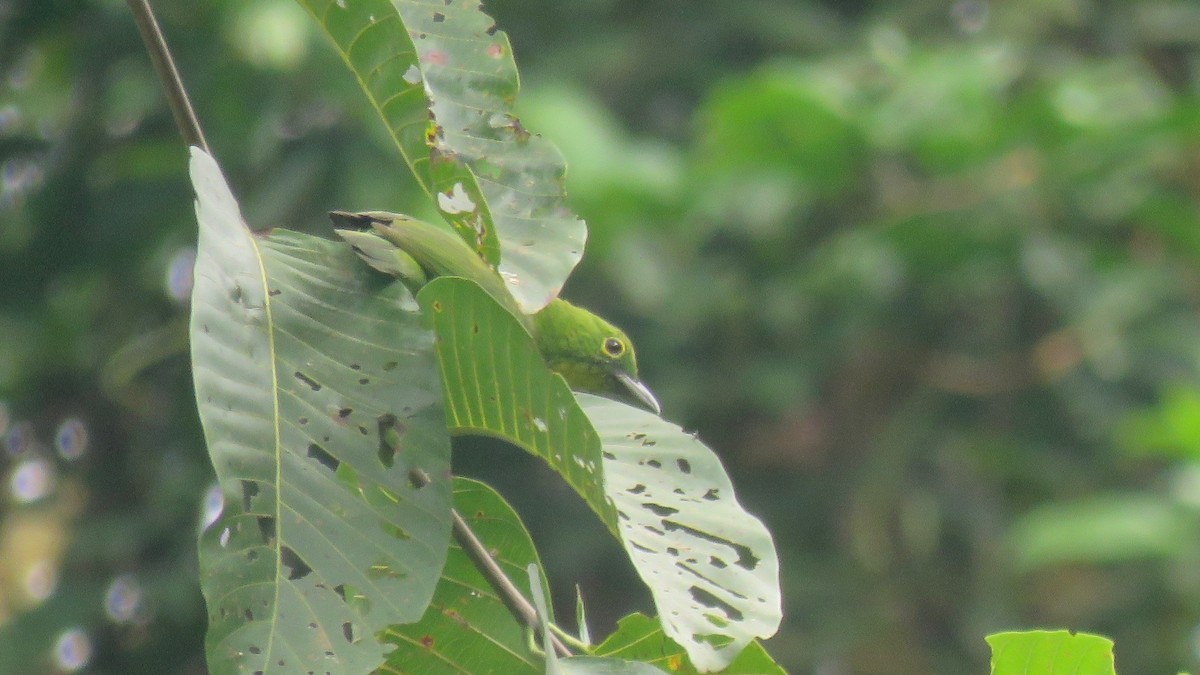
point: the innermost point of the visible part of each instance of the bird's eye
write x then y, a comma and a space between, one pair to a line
614, 347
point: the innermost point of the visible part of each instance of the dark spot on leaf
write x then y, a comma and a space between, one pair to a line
235, 294
204, 327
249, 614
457, 618
341, 591
678, 491
312, 384
391, 432
254, 650
607, 454
348, 631
343, 413
671, 550
636, 489
684, 465
438, 17
327, 460
355, 366
297, 568
427, 641
652, 463
364, 380
712, 495
274, 292
390, 366
646, 442
251, 555
363, 430
660, 510
249, 490
266, 528
475, 328
303, 421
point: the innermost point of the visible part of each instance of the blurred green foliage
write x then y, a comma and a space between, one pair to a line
924, 273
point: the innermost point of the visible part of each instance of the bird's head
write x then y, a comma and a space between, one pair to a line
593, 355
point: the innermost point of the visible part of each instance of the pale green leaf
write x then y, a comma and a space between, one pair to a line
711, 566
1044, 652
443, 80
300, 368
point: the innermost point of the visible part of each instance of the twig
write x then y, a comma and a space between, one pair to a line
504, 587
168, 75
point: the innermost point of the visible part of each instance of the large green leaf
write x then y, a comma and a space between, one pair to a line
467, 628
302, 370
711, 567
1046, 652
497, 384
639, 637
443, 80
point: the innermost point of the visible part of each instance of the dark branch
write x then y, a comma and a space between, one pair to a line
504, 587
168, 75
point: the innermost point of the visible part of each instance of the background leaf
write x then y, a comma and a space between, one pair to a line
482, 167
301, 374
1057, 652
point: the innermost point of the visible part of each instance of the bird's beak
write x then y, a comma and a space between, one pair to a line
640, 392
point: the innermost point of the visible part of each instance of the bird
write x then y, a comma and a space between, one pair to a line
590, 353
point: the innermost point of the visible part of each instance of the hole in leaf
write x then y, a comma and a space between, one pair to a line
308, 381
249, 614
652, 463
343, 413
254, 650
355, 366
636, 489
266, 528
712, 495
348, 631
364, 380
438, 17
684, 465
297, 568
717, 562
660, 510
608, 455
340, 589
249, 490
390, 366
327, 460
746, 558
274, 292
709, 600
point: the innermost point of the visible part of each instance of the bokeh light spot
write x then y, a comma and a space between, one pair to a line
31, 480
214, 504
73, 649
179, 274
71, 439
123, 599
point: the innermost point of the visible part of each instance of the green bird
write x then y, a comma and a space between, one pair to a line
590, 353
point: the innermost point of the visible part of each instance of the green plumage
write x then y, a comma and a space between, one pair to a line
590, 353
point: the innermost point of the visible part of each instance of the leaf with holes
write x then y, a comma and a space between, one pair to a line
318, 394
1051, 652
710, 565
442, 78
639, 637
467, 628
496, 384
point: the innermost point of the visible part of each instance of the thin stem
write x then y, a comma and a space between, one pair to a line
504, 587
168, 75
